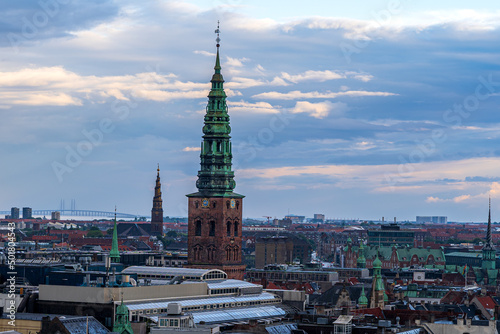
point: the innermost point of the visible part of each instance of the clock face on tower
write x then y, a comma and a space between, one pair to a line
233, 203
205, 203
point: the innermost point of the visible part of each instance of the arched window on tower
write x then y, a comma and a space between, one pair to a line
228, 227
197, 252
235, 253
211, 232
227, 204
228, 254
197, 231
211, 253
236, 226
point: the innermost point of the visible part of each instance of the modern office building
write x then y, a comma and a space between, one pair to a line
56, 215
432, 219
281, 250
27, 213
14, 213
391, 235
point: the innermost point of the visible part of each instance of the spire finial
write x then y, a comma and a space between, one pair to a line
217, 31
158, 168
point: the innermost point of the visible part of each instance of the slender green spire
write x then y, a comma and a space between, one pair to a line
489, 251
489, 241
215, 178
114, 254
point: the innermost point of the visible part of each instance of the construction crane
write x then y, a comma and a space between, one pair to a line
268, 217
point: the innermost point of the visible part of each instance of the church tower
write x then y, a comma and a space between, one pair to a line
489, 260
157, 211
114, 254
361, 261
215, 211
378, 290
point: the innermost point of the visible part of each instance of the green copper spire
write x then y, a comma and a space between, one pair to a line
122, 322
215, 178
489, 251
377, 274
114, 254
361, 262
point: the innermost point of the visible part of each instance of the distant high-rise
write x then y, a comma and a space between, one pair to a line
319, 218
14, 213
27, 213
215, 211
432, 219
56, 215
157, 211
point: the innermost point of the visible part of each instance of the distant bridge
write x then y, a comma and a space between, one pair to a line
81, 213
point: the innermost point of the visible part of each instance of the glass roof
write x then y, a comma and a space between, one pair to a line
233, 315
171, 271
230, 315
201, 301
231, 283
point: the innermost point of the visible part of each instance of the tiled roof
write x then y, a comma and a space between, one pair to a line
487, 302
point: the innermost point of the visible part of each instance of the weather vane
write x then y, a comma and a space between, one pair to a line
217, 31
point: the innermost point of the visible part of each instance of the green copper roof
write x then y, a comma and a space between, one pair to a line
122, 322
362, 300
377, 264
215, 178
114, 254
361, 254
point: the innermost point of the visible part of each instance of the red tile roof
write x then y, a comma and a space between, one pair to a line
487, 302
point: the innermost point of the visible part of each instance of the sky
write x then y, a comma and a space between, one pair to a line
357, 110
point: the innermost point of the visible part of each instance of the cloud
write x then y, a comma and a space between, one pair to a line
456, 199
191, 149
34, 98
393, 178
204, 53
493, 191
235, 62
57, 86
320, 109
322, 76
293, 95
25, 22
258, 107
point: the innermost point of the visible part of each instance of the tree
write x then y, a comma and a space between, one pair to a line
94, 233
172, 234
477, 241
